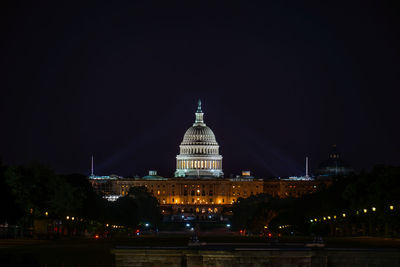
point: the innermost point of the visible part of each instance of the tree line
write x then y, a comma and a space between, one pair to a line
35, 191
367, 203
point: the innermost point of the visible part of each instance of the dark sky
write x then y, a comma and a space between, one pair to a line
120, 80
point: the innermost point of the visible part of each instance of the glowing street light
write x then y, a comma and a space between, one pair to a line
67, 217
46, 213
365, 210
391, 207
344, 215
373, 209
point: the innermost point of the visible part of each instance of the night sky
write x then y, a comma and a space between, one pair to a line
121, 80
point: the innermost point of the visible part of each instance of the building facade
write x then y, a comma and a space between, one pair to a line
199, 186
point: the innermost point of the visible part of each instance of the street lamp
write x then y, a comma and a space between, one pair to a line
373, 209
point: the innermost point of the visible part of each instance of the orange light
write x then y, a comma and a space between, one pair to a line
269, 235
97, 236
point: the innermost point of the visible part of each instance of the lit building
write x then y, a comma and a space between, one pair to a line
199, 186
199, 151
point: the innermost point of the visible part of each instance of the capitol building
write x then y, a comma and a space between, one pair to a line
199, 186
199, 151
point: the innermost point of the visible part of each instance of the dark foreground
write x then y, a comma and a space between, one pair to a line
89, 252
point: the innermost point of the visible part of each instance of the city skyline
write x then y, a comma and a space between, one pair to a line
279, 82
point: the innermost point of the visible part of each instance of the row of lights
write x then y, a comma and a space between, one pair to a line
391, 207
115, 226
73, 218
283, 226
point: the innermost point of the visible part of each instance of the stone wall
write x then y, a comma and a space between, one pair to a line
181, 257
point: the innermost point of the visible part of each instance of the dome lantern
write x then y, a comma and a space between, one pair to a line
199, 115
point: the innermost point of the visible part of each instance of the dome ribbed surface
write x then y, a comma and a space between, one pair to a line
199, 135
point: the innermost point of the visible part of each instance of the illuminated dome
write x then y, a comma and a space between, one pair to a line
199, 151
199, 135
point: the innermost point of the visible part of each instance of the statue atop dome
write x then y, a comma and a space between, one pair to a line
199, 107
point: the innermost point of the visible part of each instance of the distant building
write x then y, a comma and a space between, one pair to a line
333, 166
199, 186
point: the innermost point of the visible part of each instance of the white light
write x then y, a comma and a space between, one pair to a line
228, 225
187, 225
147, 225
